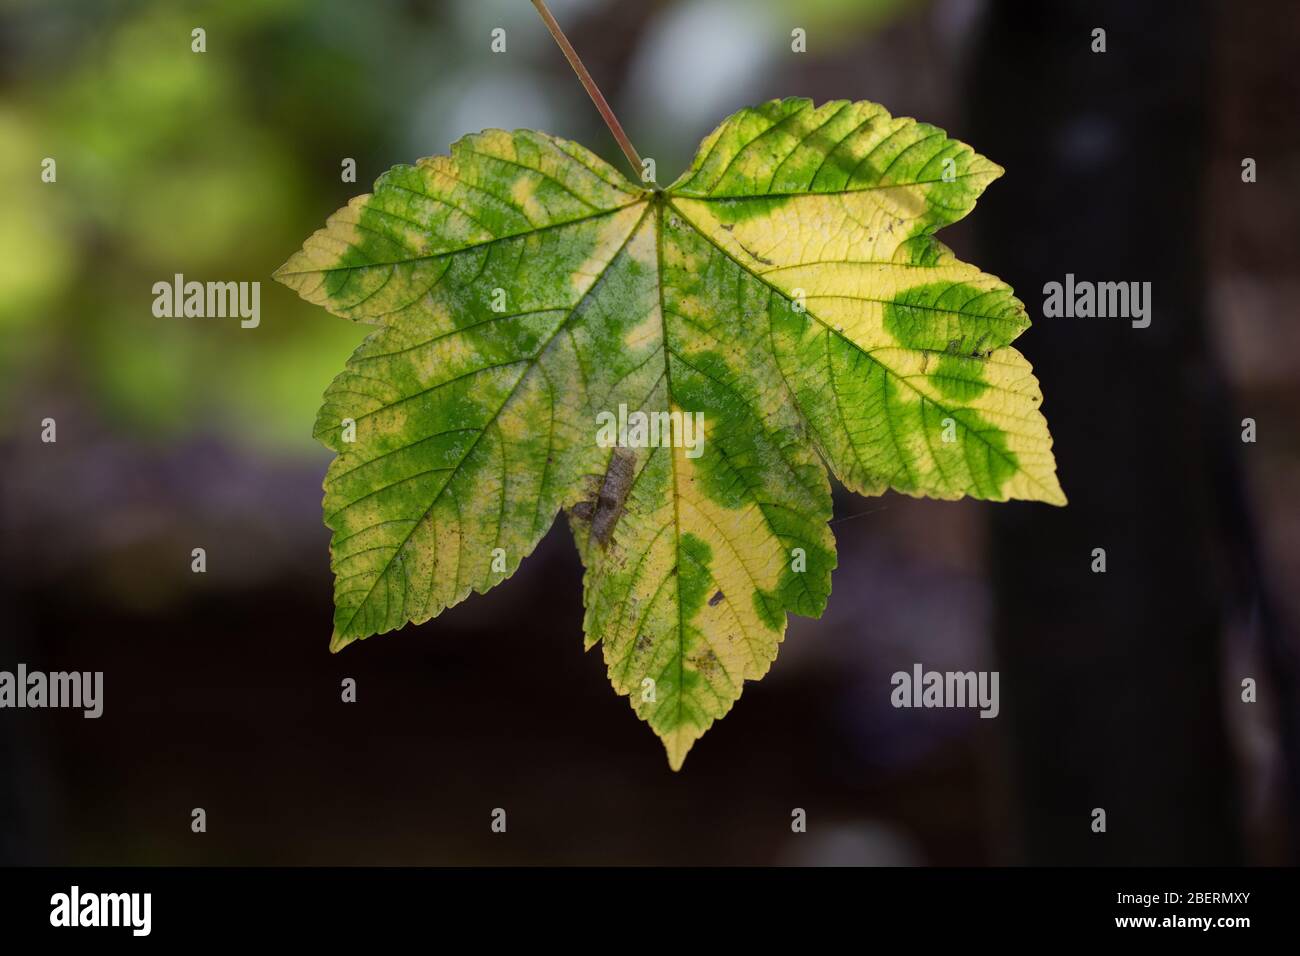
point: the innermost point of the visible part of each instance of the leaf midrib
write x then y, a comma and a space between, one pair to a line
472, 246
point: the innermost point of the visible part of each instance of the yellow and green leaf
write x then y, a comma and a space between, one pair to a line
788, 287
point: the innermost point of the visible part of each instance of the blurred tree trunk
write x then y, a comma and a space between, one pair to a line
1112, 682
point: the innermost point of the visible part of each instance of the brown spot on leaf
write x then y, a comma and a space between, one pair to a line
753, 254
713, 601
613, 493
707, 663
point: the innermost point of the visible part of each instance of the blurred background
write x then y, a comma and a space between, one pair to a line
1119, 690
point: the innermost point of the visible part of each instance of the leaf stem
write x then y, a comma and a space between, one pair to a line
589, 85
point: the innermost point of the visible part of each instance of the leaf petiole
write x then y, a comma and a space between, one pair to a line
589, 85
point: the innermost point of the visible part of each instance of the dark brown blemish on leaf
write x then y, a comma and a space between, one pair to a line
612, 495
706, 663
755, 256
713, 601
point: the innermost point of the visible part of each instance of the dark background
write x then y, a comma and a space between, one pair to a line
1119, 691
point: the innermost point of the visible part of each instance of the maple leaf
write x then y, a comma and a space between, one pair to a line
787, 287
